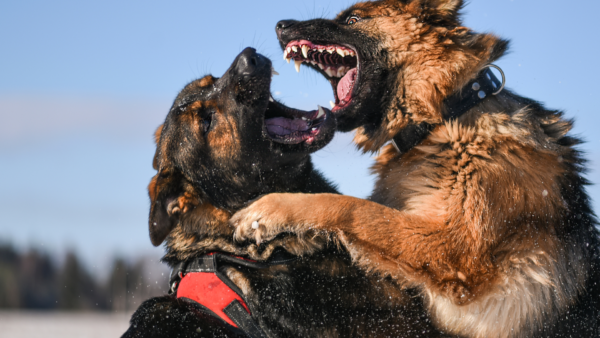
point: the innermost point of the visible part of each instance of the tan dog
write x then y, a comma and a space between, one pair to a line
481, 207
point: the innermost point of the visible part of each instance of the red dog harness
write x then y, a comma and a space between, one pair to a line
200, 281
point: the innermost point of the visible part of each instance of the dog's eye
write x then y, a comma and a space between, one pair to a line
207, 122
352, 19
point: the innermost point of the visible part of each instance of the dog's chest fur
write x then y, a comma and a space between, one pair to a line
501, 183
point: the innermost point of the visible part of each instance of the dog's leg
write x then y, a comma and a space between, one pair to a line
394, 243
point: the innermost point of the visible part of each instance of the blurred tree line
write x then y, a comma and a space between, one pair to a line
32, 280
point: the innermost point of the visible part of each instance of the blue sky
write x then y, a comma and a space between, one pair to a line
83, 85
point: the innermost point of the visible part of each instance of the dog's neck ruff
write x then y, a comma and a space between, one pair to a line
484, 85
199, 281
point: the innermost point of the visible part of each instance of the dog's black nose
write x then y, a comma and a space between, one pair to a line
283, 25
248, 61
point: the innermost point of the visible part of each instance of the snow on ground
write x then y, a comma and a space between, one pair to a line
16, 324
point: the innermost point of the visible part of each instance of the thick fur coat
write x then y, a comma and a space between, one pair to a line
487, 217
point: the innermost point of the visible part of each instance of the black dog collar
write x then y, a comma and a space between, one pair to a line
484, 85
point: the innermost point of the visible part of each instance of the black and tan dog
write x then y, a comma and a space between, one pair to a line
479, 204
224, 143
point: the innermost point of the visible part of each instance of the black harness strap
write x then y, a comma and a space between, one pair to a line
241, 318
484, 85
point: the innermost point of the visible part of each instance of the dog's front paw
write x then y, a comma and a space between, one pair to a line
262, 221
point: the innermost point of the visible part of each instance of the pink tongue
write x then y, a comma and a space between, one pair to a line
283, 126
345, 85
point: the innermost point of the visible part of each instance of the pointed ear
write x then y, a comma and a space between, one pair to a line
446, 8
170, 198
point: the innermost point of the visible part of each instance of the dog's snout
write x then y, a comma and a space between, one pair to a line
249, 61
283, 25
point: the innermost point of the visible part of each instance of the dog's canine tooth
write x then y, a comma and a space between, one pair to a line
270, 98
305, 51
321, 112
288, 60
297, 65
285, 53
332, 104
295, 48
273, 71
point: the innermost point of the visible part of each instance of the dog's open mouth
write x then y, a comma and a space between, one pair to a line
292, 126
339, 64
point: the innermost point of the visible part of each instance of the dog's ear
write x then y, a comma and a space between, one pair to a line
170, 198
444, 8
157, 134
159, 222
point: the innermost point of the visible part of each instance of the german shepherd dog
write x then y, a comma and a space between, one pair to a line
225, 142
481, 208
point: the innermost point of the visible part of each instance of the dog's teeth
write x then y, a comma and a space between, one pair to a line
295, 48
340, 72
313, 129
321, 66
332, 104
285, 53
341, 52
321, 112
351, 53
288, 60
270, 98
330, 51
320, 50
336, 71
305, 51
329, 71
288, 50
273, 71
304, 118
313, 62
297, 65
